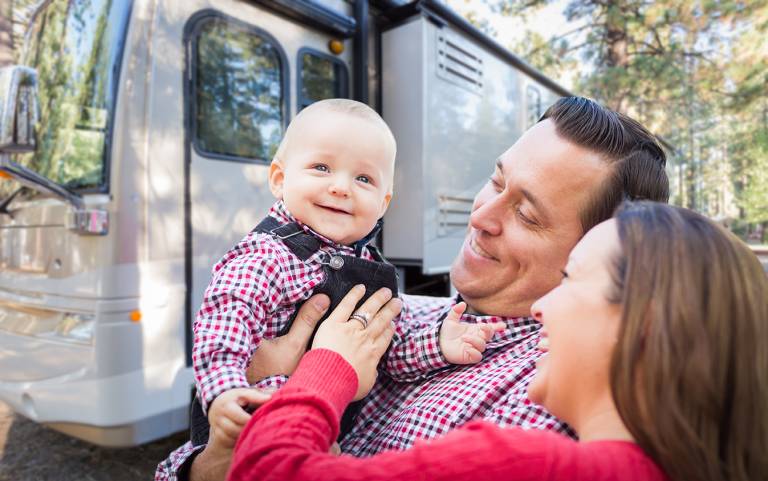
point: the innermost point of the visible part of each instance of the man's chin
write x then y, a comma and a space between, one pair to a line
467, 282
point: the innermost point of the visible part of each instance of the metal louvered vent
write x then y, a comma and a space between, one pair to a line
453, 213
458, 62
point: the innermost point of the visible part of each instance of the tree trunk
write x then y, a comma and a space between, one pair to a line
6, 39
616, 54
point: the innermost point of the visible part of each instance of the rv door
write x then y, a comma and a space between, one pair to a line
248, 70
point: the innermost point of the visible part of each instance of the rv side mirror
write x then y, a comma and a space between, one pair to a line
18, 109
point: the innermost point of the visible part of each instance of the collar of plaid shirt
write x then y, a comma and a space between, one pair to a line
396, 414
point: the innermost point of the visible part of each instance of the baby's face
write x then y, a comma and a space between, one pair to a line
336, 175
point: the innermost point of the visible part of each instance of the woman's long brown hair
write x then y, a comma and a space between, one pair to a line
690, 371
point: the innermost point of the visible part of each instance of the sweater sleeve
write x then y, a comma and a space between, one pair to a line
289, 437
245, 288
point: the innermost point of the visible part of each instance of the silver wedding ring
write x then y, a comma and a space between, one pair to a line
361, 317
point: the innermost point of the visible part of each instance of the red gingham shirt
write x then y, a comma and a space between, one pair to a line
396, 414
253, 293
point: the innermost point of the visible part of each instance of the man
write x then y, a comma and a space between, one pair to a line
562, 177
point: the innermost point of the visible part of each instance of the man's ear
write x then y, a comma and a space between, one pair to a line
385, 204
276, 178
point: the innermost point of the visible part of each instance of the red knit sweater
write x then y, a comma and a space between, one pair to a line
289, 437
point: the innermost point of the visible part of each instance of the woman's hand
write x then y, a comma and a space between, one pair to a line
281, 355
360, 345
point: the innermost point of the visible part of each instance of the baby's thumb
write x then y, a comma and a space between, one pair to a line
454, 315
253, 398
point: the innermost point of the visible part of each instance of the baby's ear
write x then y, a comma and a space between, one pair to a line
276, 178
385, 203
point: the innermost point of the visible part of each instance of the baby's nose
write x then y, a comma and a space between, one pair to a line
340, 187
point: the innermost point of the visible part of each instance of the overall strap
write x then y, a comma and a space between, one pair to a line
360, 245
376, 254
303, 245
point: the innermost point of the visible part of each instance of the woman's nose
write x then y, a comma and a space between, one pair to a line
536, 311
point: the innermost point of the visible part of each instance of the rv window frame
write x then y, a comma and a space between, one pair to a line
105, 186
195, 24
300, 98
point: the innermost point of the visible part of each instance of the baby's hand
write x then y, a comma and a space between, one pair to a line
463, 342
228, 416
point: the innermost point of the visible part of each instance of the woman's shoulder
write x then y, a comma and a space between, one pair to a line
566, 459
617, 459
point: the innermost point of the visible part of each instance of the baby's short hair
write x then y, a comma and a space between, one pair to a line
344, 106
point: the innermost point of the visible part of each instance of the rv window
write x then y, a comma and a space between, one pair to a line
75, 46
238, 89
321, 76
533, 101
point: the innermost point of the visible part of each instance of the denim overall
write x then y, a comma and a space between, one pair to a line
342, 272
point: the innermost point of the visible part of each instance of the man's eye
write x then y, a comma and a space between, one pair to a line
364, 178
496, 185
321, 167
525, 218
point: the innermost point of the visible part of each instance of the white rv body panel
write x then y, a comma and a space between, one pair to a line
95, 329
464, 106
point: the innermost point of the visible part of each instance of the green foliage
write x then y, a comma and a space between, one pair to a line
695, 72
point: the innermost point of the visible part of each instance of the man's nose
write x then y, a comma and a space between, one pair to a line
339, 186
487, 215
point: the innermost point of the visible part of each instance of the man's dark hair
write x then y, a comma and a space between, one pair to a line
637, 158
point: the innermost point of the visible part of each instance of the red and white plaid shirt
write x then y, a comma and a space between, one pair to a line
253, 293
396, 414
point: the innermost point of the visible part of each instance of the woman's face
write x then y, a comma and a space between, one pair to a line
580, 329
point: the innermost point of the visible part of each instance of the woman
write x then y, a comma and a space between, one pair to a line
664, 377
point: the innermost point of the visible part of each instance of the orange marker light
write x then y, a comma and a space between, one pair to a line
336, 46
135, 316
5, 175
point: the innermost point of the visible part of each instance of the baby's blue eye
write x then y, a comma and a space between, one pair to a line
321, 167
363, 178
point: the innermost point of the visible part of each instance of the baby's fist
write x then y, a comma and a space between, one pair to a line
464, 342
229, 413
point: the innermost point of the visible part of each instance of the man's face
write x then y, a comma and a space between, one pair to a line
525, 221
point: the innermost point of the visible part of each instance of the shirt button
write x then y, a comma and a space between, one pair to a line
336, 262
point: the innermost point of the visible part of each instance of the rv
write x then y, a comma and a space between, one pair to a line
135, 139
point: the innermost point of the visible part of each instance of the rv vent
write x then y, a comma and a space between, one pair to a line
453, 213
458, 62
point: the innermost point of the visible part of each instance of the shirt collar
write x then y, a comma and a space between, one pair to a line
512, 322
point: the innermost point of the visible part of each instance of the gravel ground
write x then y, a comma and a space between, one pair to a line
30, 452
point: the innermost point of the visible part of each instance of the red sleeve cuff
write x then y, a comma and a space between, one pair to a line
326, 374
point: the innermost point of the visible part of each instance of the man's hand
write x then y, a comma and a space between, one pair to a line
462, 342
227, 414
281, 355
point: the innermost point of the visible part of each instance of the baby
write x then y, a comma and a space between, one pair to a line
332, 175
